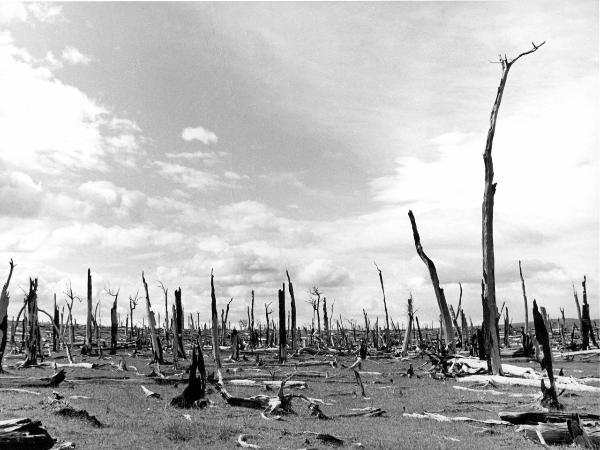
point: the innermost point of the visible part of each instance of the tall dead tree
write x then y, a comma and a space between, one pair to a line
4, 300
524, 299
408, 327
587, 331
267, 313
32, 338
487, 224
387, 318
178, 326
72, 297
326, 323
166, 293
293, 312
224, 316
215, 326
282, 334
550, 398
439, 292
133, 302
316, 302
87, 348
157, 353
114, 323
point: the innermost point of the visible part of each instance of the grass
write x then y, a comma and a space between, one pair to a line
133, 421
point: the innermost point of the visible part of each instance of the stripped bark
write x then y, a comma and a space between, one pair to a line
487, 224
439, 292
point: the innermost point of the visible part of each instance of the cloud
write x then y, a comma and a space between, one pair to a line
22, 11
208, 158
199, 134
73, 56
324, 273
188, 176
49, 126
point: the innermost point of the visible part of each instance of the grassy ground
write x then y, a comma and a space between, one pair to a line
132, 420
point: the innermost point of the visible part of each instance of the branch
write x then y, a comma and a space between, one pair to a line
534, 49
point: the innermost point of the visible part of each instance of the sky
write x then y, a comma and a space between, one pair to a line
251, 138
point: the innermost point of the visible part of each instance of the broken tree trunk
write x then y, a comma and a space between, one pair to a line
23, 433
408, 327
293, 311
178, 324
550, 399
387, 319
587, 331
114, 327
282, 335
56, 322
157, 353
87, 348
196, 388
487, 224
215, 326
4, 300
32, 338
524, 299
439, 292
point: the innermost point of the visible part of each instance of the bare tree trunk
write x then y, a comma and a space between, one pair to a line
282, 335
408, 327
157, 353
293, 312
387, 319
326, 323
4, 300
550, 399
587, 331
215, 327
439, 292
487, 225
114, 327
178, 324
33, 331
88, 323
524, 299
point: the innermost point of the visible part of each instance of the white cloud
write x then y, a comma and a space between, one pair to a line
73, 56
20, 11
48, 125
199, 134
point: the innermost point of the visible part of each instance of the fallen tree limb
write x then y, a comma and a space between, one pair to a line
500, 380
442, 418
241, 440
24, 434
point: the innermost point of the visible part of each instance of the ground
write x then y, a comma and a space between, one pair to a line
131, 419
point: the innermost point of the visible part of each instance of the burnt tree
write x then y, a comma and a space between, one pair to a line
293, 312
4, 300
282, 334
157, 353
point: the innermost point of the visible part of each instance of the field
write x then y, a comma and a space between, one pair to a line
129, 418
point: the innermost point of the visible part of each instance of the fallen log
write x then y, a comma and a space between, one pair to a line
241, 440
536, 417
24, 434
498, 379
442, 418
556, 434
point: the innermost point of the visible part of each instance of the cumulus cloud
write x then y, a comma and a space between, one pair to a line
189, 177
23, 11
199, 134
324, 273
49, 126
73, 56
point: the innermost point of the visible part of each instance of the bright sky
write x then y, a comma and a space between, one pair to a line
257, 137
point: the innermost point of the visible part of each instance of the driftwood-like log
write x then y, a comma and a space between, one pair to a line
24, 434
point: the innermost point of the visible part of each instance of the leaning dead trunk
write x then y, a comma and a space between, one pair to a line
487, 226
4, 300
157, 354
387, 318
550, 399
439, 292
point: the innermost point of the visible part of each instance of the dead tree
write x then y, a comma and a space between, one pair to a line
157, 353
524, 299
326, 323
178, 349
282, 335
215, 326
87, 347
72, 297
166, 293
587, 331
406, 341
387, 318
439, 292
33, 338
4, 300
487, 224
114, 324
293, 312
506, 328
196, 388
316, 302
224, 316
267, 312
550, 399
133, 302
